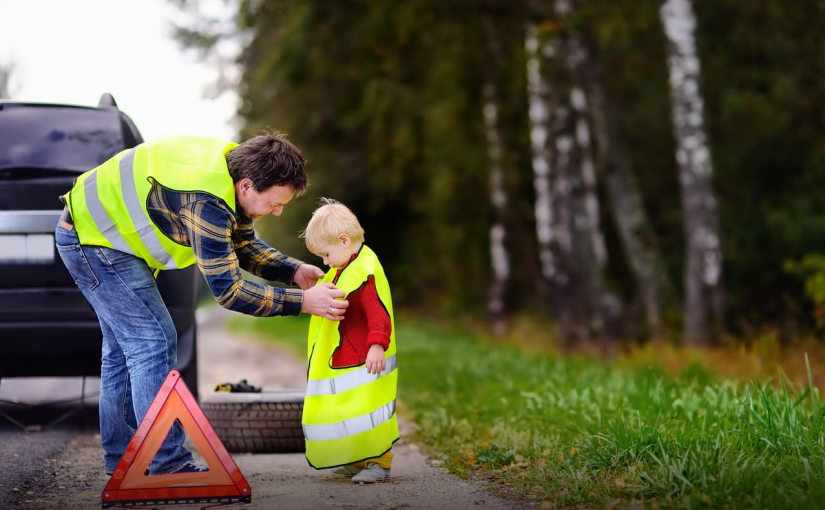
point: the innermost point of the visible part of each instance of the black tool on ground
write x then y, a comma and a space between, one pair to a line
238, 387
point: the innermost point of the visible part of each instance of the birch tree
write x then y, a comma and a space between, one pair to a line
590, 253
499, 255
548, 213
703, 268
566, 204
624, 196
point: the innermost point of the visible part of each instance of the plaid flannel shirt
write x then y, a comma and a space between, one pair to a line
224, 243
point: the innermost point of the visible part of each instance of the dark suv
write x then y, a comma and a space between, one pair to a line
46, 326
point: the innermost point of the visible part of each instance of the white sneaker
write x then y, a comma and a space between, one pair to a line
372, 474
348, 470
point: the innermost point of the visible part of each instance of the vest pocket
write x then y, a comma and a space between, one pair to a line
78, 266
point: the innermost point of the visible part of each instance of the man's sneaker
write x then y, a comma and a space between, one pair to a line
348, 470
373, 473
190, 467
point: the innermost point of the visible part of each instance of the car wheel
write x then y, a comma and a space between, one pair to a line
266, 422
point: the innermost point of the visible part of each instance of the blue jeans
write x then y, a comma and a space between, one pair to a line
139, 345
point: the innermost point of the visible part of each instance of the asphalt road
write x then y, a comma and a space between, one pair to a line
60, 466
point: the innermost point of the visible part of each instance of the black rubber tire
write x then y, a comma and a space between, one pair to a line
267, 422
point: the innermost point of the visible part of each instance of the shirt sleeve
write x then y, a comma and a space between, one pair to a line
261, 259
379, 325
210, 225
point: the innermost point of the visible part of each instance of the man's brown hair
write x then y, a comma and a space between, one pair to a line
268, 160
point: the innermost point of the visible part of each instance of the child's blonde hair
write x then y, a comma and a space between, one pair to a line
331, 219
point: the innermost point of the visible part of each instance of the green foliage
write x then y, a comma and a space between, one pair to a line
492, 456
385, 100
811, 269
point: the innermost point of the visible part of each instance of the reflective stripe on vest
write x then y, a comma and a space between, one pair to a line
349, 414
351, 426
104, 223
349, 380
140, 219
109, 204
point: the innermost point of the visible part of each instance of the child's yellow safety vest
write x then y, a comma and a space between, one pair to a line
349, 415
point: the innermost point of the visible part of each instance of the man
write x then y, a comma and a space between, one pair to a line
167, 205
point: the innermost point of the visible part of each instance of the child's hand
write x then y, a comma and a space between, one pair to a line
375, 359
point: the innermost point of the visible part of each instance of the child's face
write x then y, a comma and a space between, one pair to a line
336, 255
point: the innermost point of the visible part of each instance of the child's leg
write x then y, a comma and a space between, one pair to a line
384, 461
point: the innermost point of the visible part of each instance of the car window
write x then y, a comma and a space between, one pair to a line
66, 138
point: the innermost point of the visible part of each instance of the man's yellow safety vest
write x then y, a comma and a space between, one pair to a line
109, 203
349, 414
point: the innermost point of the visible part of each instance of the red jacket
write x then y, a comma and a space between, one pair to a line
365, 323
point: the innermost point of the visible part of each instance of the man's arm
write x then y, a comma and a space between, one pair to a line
261, 259
210, 225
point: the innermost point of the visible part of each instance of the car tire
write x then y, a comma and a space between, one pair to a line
266, 422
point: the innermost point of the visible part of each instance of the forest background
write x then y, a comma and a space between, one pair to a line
517, 161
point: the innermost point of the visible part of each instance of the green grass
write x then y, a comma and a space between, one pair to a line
578, 433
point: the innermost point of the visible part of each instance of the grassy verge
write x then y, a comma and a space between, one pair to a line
579, 433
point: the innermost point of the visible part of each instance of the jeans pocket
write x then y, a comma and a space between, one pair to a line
78, 266
132, 270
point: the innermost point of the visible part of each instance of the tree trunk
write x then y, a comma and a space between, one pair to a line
549, 211
579, 254
571, 244
624, 197
499, 255
606, 304
704, 298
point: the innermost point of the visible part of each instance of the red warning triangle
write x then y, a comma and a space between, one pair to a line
130, 484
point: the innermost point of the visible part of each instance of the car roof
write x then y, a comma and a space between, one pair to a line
63, 136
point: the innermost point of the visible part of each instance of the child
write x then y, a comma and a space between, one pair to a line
349, 415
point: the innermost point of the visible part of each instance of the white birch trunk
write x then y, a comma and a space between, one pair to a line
566, 200
499, 256
588, 170
551, 210
624, 198
703, 272
538, 91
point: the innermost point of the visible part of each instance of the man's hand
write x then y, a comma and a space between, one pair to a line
375, 359
307, 275
321, 301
